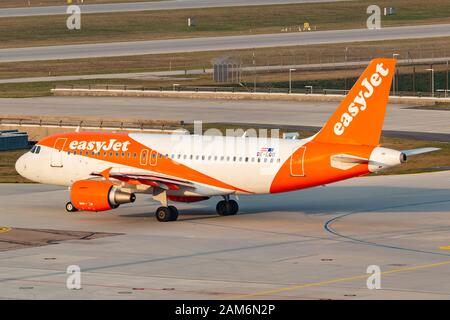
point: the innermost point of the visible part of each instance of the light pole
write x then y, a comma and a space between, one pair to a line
394, 56
290, 79
432, 81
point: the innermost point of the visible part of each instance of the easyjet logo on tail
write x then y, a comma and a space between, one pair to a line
98, 146
360, 101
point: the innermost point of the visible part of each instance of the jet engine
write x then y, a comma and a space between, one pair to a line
382, 158
91, 195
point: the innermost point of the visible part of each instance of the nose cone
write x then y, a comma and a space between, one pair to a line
21, 166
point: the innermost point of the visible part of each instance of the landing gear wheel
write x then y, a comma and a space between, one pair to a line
234, 207
164, 214
173, 213
70, 207
222, 208
227, 208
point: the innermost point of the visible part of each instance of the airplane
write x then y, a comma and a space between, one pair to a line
106, 170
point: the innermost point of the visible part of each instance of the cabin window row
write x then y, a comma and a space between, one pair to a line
180, 156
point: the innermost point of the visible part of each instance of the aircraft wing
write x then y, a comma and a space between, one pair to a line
413, 152
153, 180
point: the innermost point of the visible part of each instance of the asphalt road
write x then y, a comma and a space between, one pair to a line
221, 43
146, 6
311, 244
398, 117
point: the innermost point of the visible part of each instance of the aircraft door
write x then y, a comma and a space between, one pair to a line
298, 162
56, 157
153, 158
144, 157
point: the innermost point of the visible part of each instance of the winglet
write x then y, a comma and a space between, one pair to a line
105, 173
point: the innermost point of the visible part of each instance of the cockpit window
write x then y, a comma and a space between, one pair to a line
33, 149
38, 149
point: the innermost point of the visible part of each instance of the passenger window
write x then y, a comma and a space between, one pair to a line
246, 159
134, 155
68, 152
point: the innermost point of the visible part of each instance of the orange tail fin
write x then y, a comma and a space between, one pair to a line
359, 118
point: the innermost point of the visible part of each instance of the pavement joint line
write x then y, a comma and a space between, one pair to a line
327, 227
337, 280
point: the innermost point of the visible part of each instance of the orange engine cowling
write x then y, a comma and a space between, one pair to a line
91, 195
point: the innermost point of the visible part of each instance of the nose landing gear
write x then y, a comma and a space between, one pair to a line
70, 207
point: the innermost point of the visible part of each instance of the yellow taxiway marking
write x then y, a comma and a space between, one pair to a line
317, 284
445, 248
4, 229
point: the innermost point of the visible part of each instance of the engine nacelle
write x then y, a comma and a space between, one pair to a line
383, 158
91, 195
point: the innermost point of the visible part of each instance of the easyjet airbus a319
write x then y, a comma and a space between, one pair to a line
105, 170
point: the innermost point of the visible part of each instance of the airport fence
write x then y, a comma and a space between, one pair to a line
308, 89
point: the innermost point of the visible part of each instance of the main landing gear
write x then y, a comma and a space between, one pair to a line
164, 214
227, 207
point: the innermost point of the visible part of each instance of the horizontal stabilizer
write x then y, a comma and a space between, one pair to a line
346, 161
413, 152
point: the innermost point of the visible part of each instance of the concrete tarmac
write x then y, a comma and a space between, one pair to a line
311, 244
131, 48
398, 116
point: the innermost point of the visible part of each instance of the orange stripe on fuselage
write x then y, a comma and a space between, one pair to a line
317, 167
164, 165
